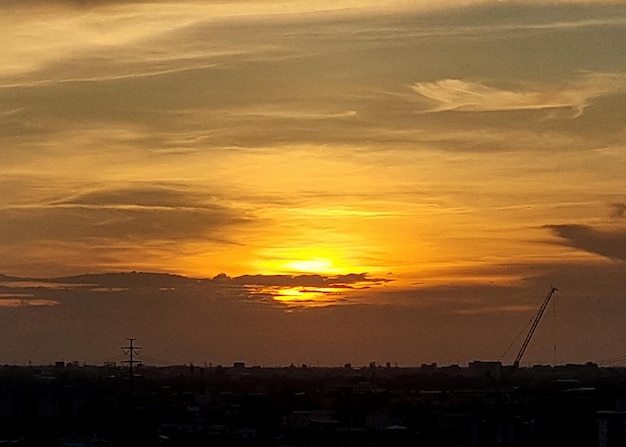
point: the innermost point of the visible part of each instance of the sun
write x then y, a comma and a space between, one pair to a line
312, 276
318, 261
312, 265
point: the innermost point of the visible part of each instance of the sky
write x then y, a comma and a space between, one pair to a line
312, 182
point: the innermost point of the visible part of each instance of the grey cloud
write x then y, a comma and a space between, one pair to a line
610, 244
165, 281
140, 195
261, 289
182, 319
176, 151
307, 280
312, 290
327, 290
132, 213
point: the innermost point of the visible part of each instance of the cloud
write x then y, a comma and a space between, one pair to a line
468, 96
610, 244
25, 302
176, 151
254, 6
170, 71
215, 320
137, 212
619, 209
138, 195
307, 280
276, 290
304, 290
164, 280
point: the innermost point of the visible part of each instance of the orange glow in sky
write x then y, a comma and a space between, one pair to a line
449, 158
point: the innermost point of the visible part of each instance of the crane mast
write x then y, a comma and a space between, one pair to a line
529, 336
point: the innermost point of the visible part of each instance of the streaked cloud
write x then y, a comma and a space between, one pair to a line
137, 212
25, 302
468, 96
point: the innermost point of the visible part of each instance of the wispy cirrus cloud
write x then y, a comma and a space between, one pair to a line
468, 96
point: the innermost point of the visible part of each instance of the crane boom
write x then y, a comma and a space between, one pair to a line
529, 336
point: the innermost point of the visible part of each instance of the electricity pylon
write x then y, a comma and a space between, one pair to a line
131, 350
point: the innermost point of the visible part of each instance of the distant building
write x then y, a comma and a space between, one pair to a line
451, 370
485, 369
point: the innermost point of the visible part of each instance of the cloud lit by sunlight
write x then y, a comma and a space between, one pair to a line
15, 301
467, 96
304, 296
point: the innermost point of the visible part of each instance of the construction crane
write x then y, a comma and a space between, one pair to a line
529, 336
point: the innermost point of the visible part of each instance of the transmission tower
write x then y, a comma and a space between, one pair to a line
131, 351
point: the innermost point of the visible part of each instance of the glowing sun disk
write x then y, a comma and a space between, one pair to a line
313, 265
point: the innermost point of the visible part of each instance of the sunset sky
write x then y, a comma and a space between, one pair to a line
352, 180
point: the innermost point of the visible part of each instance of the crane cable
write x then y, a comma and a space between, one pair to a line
517, 337
554, 331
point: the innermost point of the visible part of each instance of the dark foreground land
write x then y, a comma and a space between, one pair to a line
481, 405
